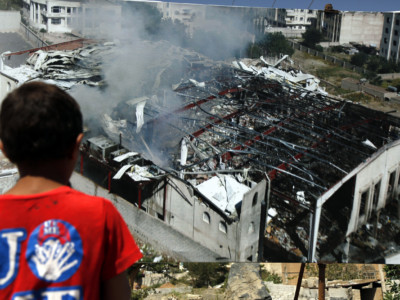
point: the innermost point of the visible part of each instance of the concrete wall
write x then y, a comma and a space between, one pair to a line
233, 239
32, 37
249, 227
361, 27
148, 229
210, 235
7, 84
390, 76
281, 291
373, 177
9, 21
329, 58
355, 85
287, 32
286, 292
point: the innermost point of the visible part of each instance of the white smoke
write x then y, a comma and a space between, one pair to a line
147, 65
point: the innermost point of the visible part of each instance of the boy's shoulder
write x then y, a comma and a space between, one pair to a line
63, 197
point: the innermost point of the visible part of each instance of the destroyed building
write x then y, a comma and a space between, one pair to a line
252, 161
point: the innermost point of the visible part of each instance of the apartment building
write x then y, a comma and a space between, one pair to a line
390, 42
275, 17
85, 17
191, 15
300, 18
351, 26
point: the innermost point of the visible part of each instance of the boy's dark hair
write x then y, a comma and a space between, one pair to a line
39, 121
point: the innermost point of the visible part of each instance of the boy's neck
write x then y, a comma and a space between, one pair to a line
29, 185
39, 177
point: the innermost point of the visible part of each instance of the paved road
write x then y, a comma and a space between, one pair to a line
14, 42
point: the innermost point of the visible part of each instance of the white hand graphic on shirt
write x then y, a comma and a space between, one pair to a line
51, 258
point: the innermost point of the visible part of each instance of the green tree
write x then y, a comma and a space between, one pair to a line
373, 64
268, 276
206, 274
335, 271
272, 44
392, 273
312, 37
254, 51
359, 59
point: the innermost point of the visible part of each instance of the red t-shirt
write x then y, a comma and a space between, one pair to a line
61, 245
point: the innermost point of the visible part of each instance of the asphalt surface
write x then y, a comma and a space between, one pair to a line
14, 42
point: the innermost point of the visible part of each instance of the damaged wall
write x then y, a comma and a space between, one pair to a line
375, 184
251, 223
148, 229
233, 239
7, 84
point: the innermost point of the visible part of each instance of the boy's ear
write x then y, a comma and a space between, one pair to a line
75, 149
79, 139
2, 148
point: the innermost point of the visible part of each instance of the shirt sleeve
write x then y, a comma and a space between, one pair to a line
121, 251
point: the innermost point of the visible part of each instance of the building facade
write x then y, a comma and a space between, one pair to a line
390, 43
86, 17
275, 17
300, 18
351, 26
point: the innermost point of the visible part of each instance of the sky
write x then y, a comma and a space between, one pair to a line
349, 5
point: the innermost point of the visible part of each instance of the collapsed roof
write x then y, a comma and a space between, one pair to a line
251, 120
252, 124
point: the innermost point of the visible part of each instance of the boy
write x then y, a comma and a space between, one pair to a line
55, 242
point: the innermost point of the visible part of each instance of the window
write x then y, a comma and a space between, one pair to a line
385, 40
386, 30
206, 217
396, 32
363, 202
394, 43
387, 20
377, 189
255, 198
56, 9
222, 227
397, 22
392, 178
251, 228
68, 10
56, 21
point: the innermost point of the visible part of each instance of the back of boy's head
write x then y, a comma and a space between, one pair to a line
39, 121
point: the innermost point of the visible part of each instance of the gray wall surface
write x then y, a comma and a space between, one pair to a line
148, 229
9, 21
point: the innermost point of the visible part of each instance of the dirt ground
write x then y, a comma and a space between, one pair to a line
331, 77
197, 294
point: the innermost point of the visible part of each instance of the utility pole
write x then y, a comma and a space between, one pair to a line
298, 286
321, 281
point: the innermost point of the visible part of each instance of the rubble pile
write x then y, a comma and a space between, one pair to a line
244, 282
